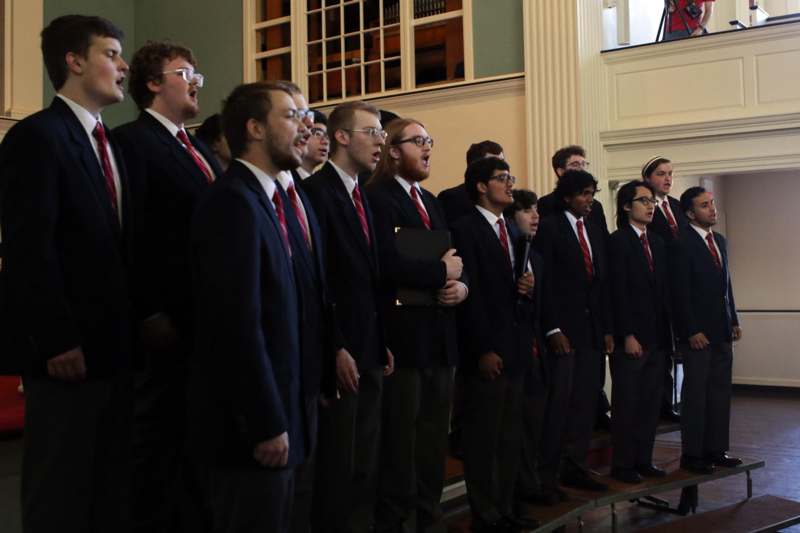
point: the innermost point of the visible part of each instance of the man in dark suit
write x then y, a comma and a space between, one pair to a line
497, 330
706, 324
170, 170
350, 427
317, 148
640, 302
455, 200
669, 223
416, 397
67, 226
245, 387
577, 324
317, 354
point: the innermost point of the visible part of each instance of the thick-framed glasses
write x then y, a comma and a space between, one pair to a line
188, 75
301, 114
419, 140
505, 179
579, 165
645, 201
319, 133
376, 133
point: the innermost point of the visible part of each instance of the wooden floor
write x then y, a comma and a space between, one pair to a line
765, 424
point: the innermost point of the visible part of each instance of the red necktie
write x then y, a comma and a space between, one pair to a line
276, 200
362, 215
99, 134
421, 210
501, 225
713, 250
301, 217
183, 138
587, 257
647, 254
673, 226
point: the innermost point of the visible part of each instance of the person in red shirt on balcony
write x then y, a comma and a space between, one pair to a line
687, 18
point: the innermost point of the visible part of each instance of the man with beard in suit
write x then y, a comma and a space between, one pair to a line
170, 171
416, 397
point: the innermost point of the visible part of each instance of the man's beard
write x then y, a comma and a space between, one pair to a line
283, 160
408, 169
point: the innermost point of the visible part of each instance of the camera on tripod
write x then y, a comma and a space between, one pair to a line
692, 10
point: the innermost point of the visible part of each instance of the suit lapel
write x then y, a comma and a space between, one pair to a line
349, 209
499, 253
570, 237
642, 259
176, 150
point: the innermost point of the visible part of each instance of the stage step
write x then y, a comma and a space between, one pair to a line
761, 514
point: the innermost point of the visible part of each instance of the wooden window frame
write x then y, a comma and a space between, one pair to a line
298, 48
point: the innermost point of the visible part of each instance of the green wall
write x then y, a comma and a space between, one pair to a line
121, 12
497, 37
211, 28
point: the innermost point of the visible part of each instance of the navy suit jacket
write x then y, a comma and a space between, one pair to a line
419, 337
702, 293
64, 279
494, 317
245, 383
660, 225
353, 278
456, 203
578, 306
640, 298
168, 185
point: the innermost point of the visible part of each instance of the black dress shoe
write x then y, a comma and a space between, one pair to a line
670, 415
724, 460
580, 479
697, 465
650, 471
626, 475
524, 523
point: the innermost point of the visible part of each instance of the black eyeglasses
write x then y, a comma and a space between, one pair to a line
419, 140
505, 178
645, 201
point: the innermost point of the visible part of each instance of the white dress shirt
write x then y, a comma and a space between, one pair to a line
267, 182
492, 219
303, 173
573, 221
349, 181
703, 235
407, 187
173, 130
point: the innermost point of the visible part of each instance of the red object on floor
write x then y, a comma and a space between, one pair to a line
12, 405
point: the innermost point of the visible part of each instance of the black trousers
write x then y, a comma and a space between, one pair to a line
534, 403
416, 412
636, 402
247, 500
167, 497
706, 399
492, 443
347, 459
76, 465
305, 473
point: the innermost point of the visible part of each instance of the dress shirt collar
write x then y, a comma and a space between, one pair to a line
660, 198
267, 182
350, 182
702, 232
408, 184
87, 120
167, 123
286, 179
638, 232
573, 220
490, 217
303, 173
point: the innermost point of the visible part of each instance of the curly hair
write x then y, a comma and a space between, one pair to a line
147, 65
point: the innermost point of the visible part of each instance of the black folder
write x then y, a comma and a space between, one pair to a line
420, 244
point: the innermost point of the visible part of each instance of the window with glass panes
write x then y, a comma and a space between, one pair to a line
347, 49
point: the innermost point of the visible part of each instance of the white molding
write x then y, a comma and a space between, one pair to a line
23, 78
768, 382
464, 91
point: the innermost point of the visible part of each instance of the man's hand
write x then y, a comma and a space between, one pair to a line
698, 341
491, 365
68, 366
632, 347
737, 333
346, 371
525, 283
159, 333
559, 343
453, 293
453, 264
273, 452
608, 343
697, 31
389, 368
